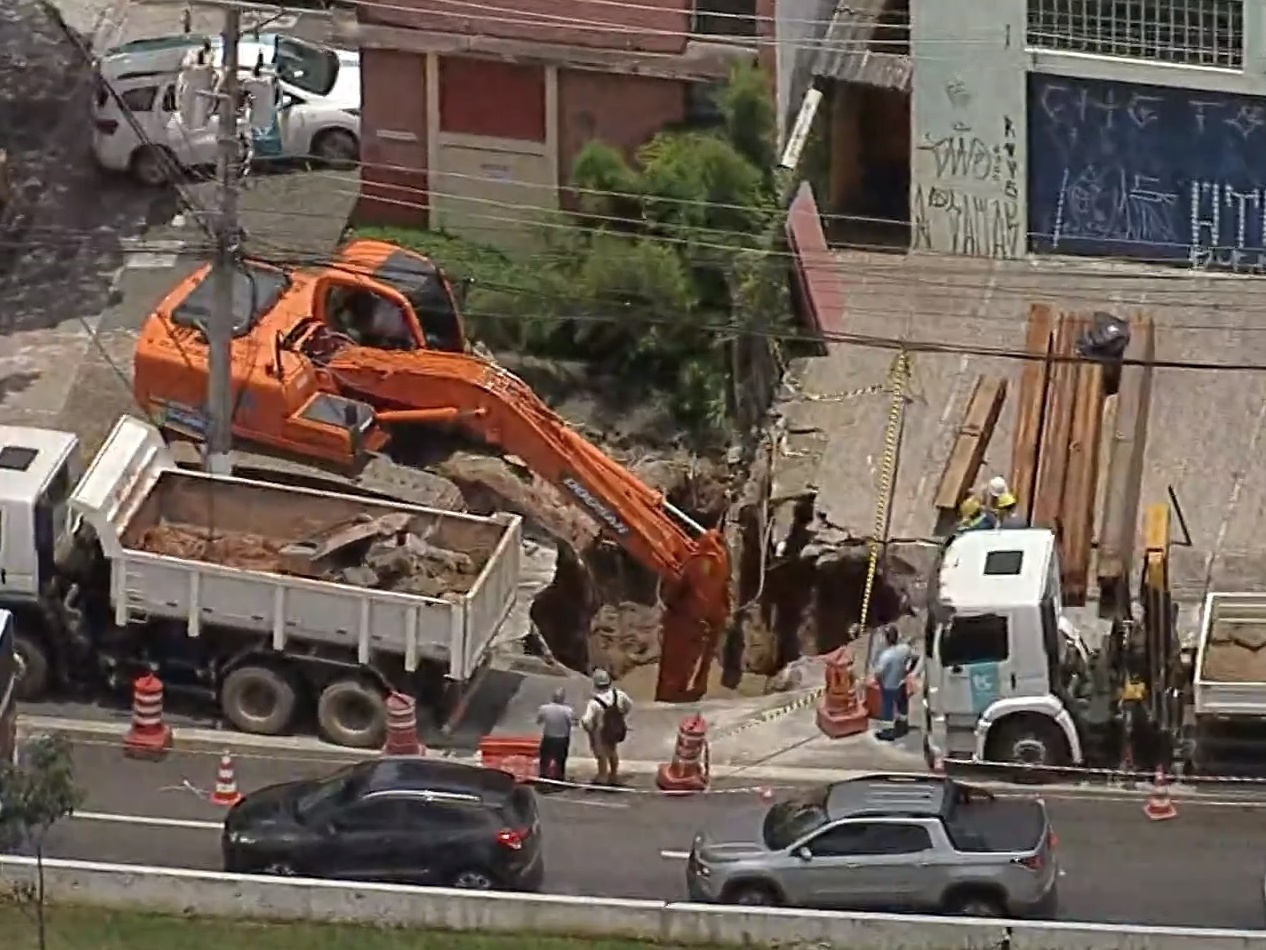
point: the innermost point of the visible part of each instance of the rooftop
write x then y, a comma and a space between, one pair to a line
886, 795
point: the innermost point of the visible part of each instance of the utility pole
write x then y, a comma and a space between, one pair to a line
219, 408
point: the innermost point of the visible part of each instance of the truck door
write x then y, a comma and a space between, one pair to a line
975, 658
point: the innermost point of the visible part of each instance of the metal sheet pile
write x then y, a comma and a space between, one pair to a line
391, 552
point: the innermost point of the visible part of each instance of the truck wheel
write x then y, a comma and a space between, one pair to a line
353, 713
32, 668
1030, 741
259, 700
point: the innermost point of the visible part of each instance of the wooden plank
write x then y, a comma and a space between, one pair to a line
1119, 525
1078, 509
1029, 410
1052, 450
968, 453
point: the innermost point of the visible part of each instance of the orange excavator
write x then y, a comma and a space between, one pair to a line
338, 363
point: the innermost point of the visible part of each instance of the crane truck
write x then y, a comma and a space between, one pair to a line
1009, 680
269, 639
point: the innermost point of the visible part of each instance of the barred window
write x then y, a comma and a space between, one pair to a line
1191, 32
725, 18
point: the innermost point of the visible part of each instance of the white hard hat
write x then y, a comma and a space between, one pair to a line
998, 486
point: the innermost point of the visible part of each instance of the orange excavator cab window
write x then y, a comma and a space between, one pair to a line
424, 286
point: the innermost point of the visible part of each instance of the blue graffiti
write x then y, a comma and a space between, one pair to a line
1147, 172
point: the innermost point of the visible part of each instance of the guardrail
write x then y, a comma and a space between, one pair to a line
211, 894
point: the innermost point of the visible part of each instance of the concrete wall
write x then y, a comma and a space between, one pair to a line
1129, 158
967, 181
207, 894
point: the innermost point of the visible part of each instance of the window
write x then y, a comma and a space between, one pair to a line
329, 792
787, 822
1191, 32
857, 838
17, 458
725, 18
1004, 563
372, 815
256, 290
980, 639
307, 67
140, 99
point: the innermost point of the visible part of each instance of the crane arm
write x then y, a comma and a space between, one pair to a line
498, 408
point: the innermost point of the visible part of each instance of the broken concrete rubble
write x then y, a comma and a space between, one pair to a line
391, 552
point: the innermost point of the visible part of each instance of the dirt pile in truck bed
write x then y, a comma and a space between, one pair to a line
386, 553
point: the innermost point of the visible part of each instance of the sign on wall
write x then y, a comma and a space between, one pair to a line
1147, 172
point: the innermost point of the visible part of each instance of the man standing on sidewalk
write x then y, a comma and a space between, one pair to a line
606, 721
894, 663
555, 719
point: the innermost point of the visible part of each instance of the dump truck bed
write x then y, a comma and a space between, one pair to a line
295, 564
1230, 677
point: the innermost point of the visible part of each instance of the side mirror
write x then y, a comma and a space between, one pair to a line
804, 854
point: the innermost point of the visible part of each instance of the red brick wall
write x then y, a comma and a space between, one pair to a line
393, 99
658, 26
624, 111
489, 97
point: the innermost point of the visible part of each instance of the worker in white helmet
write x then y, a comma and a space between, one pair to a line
996, 488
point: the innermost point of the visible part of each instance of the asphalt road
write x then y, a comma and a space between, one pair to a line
1203, 869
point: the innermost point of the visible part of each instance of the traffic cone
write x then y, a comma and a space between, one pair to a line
1160, 807
226, 792
689, 769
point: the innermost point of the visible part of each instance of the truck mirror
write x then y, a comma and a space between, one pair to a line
804, 854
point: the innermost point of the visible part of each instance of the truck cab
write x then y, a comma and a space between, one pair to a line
997, 645
38, 472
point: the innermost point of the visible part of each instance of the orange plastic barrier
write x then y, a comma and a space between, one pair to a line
518, 755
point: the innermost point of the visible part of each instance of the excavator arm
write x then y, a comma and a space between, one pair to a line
496, 407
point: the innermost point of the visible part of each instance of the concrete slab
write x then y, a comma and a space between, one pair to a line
1207, 425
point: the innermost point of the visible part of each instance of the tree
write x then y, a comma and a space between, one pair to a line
36, 792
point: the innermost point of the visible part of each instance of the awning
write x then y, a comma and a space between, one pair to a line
845, 55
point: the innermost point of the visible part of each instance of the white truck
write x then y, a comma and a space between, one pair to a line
1009, 680
96, 604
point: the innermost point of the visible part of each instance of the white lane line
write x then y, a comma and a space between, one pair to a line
151, 820
675, 855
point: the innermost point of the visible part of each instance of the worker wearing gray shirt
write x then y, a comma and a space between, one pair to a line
891, 668
555, 719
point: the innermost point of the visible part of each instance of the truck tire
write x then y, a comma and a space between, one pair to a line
32, 668
1029, 740
259, 700
353, 713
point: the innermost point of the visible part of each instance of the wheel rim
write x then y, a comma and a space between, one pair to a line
754, 898
1030, 751
280, 869
257, 701
151, 169
357, 715
979, 909
473, 881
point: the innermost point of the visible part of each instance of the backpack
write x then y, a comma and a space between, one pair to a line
612, 730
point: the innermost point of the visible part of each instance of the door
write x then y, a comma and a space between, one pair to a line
360, 843
433, 840
975, 658
866, 865
291, 133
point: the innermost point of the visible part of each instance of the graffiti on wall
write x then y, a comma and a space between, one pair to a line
1147, 172
966, 198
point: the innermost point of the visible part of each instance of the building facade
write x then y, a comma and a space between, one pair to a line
473, 113
1116, 128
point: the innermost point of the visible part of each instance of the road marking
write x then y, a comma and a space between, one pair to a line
151, 820
675, 855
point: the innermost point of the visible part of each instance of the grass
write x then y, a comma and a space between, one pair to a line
83, 928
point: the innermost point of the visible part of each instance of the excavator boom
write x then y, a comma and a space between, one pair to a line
496, 407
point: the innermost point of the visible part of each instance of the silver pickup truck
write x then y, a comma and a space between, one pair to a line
883, 843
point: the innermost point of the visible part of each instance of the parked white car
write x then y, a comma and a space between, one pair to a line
318, 107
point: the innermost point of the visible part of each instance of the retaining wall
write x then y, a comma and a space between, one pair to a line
209, 894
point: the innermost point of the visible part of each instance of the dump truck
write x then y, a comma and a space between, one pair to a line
1009, 680
278, 604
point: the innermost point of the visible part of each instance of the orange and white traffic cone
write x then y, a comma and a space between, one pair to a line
226, 792
1160, 807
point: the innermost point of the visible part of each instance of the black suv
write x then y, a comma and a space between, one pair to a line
398, 820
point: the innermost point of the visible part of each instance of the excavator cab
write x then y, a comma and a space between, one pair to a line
386, 297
